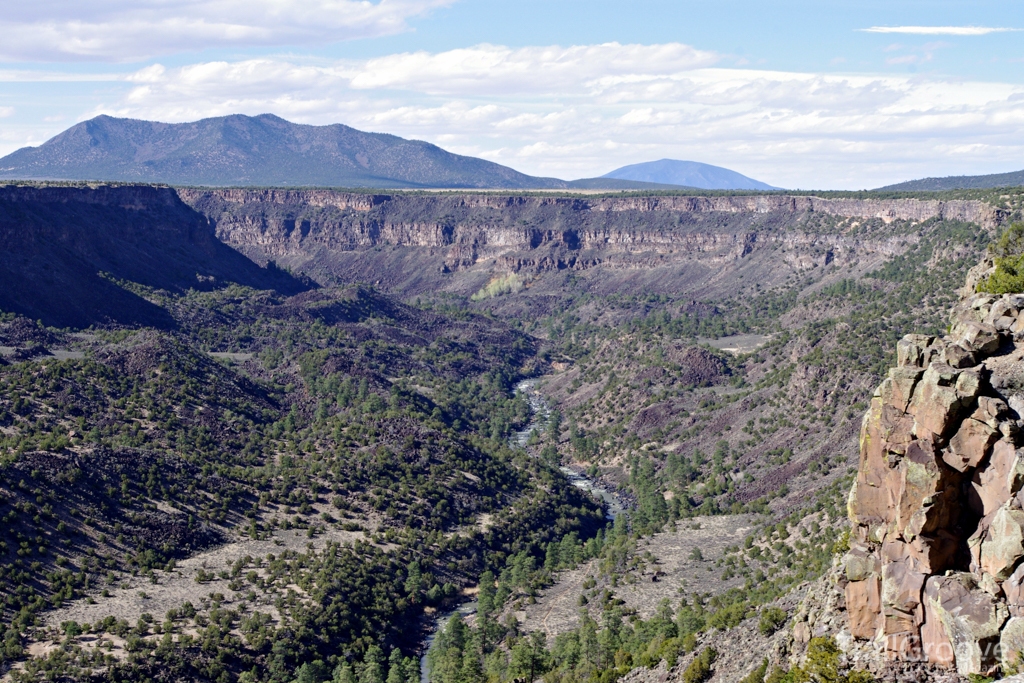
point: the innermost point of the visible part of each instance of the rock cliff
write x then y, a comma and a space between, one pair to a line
417, 243
934, 572
66, 249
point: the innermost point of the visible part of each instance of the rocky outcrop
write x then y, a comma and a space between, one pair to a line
936, 562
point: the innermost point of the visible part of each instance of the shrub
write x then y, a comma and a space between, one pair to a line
1009, 258
757, 675
771, 619
699, 669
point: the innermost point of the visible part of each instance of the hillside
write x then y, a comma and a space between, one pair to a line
964, 182
280, 479
689, 174
696, 246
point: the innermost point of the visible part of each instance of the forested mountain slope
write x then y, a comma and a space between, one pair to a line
251, 150
264, 150
69, 250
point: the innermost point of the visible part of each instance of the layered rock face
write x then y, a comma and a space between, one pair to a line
935, 569
456, 241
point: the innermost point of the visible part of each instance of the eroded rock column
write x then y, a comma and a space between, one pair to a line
935, 567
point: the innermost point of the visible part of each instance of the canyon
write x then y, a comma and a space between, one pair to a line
346, 364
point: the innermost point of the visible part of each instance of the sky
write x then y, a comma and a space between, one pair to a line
798, 94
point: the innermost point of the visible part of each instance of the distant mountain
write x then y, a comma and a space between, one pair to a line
262, 150
689, 174
605, 183
959, 182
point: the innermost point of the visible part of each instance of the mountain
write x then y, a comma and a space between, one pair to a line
262, 150
689, 174
252, 150
619, 184
959, 182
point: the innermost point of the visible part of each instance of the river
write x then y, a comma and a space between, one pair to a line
540, 413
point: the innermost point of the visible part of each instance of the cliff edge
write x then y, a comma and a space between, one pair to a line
935, 570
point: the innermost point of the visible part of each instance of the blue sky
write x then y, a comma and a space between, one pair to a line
798, 94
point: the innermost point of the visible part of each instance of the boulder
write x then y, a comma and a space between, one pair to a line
1005, 323
996, 481
901, 603
971, 619
1013, 589
933, 554
864, 606
982, 302
936, 402
897, 388
870, 499
1003, 546
913, 350
968, 386
925, 495
860, 563
982, 338
957, 356
935, 512
1011, 644
1016, 403
970, 445
1003, 308
935, 644
991, 411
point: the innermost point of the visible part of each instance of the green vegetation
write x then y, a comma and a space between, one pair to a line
344, 425
1008, 254
696, 431
821, 666
699, 669
380, 431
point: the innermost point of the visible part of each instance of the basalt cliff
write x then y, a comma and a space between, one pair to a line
934, 573
420, 243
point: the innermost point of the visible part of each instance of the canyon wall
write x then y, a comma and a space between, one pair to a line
456, 242
67, 249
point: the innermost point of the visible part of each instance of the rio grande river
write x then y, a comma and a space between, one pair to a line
540, 412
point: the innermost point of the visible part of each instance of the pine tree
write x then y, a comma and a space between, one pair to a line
396, 673
411, 667
343, 673
373, 666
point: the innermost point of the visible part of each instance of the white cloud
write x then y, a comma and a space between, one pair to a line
499, 70
584, 110
6, 111
940, 30
133, 30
